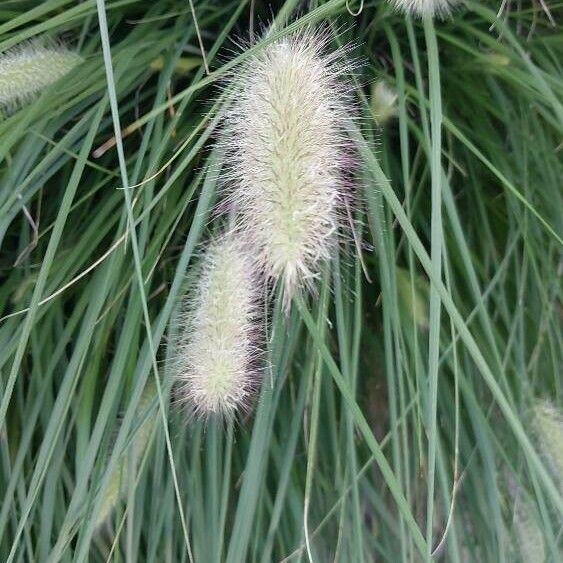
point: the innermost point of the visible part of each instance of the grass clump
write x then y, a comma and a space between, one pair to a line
391, 398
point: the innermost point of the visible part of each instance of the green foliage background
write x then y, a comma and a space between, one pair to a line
395, 421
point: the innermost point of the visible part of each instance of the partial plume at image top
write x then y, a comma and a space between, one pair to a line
425, 8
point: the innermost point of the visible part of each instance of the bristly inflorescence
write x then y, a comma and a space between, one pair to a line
548, 425
216, 355
27, 69
117, 485
287, 155
383, 102
425, 8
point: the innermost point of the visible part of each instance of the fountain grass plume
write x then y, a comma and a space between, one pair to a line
548, 425
530, 545
383, 102
526, 543
29, 68
216, 351
116, 487
288, 156
425, 8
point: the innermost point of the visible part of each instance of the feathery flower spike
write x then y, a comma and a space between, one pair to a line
28, 68
383, 102
215, 359
424, 8
286, 155
526, 543
548, 425
116, 487
530, 545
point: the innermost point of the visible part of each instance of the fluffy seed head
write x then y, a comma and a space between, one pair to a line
216, 355
383, 102
424, 8
548, 425
27, 69
526, 543
286, 151
116, 487
528, 534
